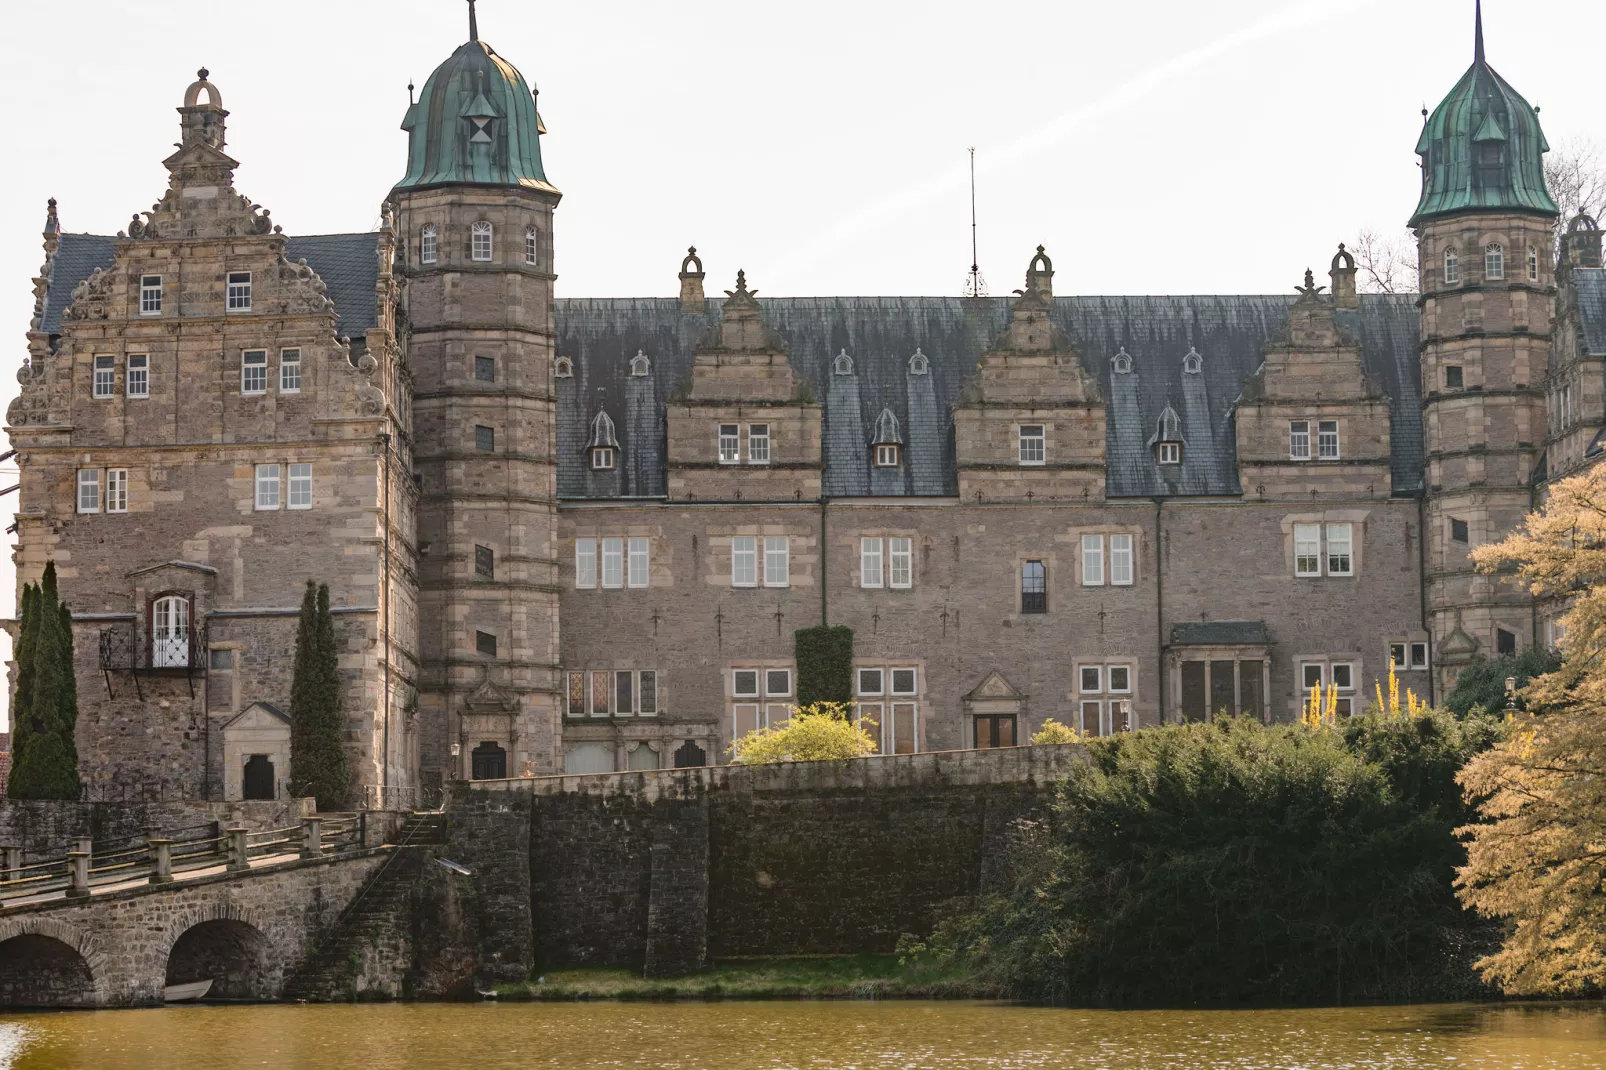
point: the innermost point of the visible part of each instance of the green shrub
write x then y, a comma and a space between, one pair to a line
824, 664
822, 732
1481, 686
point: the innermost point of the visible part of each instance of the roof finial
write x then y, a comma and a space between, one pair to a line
473, 23
1477, 50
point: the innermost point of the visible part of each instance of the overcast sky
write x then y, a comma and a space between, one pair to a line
1154, 146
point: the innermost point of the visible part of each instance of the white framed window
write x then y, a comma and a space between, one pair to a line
267, 486
531, 246
117, 490
1408, 656
1299, 440
300, 487
613, 563
150, 295
602, 458
1105, 699
870, 563
777, 561
1307, 549
886, 455
1092, 682
1120, 679
1339, 675
238, 295
1327, 440
585, 563
639, 555
89, 490
1032, 444
427, 247
624, 692
105, 384
254, 371
480, 241
1494, 261
730, 443
901, 563
744, 683
1121, 560
139, 375
1340, 556
744, 561
758, 443
1533, 263
1092, 560
1452, 268
289, 371
777, 683
905, 681
1168, 452
872, 682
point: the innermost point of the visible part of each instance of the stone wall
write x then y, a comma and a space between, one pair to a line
46, 829
664, 869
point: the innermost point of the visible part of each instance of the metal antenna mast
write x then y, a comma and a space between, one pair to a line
975, 285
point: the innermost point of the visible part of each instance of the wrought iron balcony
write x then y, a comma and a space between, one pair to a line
131, 648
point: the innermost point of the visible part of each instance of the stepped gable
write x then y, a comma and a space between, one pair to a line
881, 335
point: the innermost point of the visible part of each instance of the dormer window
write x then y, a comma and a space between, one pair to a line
427, 244
919, 364
1494, 261
480, 129
843, 364
1193, 363
886, 455
1452, 268
1167, 441
604, 445
602, 459
888, 441
480, 241
640, 365
1123, 362
1168, 452
531, 246
563, 368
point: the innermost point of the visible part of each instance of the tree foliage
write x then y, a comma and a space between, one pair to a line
1234, 863
1481, 686
824, 664
45, 716
821, 731
318, 764
1536, 857
1052, 732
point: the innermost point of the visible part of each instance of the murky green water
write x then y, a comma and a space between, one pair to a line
804, 1036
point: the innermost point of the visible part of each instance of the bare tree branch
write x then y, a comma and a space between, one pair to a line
1384, 265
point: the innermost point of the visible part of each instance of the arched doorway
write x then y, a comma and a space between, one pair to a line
489, 762
259, 777
41, 971
232, 954
690, 756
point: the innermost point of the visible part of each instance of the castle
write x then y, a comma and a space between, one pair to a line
579, 535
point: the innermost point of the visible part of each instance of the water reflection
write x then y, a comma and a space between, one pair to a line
805, 1036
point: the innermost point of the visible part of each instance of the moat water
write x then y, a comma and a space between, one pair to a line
804, 1036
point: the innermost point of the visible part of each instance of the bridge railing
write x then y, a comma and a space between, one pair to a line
157, 859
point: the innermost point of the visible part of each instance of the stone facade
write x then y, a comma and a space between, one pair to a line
580, 534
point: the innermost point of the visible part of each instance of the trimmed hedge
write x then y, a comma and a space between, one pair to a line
824, 664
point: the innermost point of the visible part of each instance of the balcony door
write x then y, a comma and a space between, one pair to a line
170, 633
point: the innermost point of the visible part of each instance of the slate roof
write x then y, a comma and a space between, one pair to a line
347, 263
1591, 283
882, 334
1220, 633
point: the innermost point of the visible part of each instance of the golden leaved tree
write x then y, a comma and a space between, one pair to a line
820, 731
1538, 857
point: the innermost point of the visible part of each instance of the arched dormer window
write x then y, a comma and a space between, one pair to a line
1494, 261
1192, 364
640, 365
842, 364
919, 364
563, 368
1533, 263
1167, 440
888, 441
1122, 362
480, 241
531, 246
604, 447
427, 249
1452, 267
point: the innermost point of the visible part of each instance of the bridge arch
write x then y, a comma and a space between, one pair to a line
47, 963
226, 944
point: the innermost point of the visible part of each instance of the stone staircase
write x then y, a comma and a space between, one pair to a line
369, 950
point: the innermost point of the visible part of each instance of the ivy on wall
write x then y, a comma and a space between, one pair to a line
824, 664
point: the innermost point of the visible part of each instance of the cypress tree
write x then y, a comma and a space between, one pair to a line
22, 725
317, 743
45, 765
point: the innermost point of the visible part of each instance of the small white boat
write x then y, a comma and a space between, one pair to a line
187, 992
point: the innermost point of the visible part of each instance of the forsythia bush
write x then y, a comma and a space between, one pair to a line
821, 731
1054, 732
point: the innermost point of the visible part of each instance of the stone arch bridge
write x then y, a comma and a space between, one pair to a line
247, 931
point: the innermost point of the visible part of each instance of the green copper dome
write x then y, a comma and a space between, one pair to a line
474, 124
1482, 149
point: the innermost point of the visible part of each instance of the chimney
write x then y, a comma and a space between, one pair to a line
691, 283
1342, 277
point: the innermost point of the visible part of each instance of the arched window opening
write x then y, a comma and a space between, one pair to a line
480, 241
1494, 261
427, 248
1533, 263
563, 368
1193, 363
842, 364
488, 762
919, 364
531, 246
1123, 362
1452, 268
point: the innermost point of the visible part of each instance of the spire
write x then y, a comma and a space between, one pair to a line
1477, 47
474, 25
